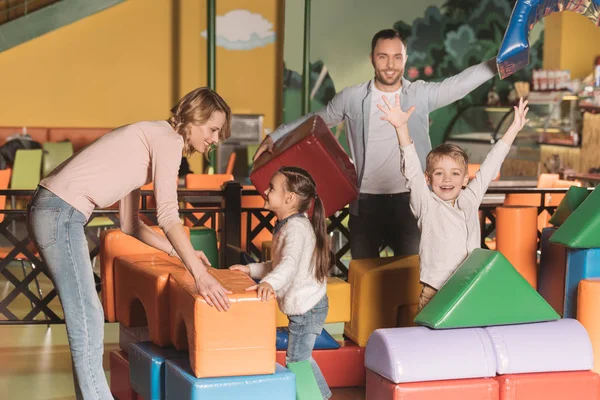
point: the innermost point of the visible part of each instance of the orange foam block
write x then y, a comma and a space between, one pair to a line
240, 341
588, 311
114, 243
119, 377
379, 388
580, 385
142, 298
343, 367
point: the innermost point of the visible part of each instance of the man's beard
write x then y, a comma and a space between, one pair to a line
383, 79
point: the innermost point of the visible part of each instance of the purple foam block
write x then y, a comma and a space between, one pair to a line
421, 354
562, 345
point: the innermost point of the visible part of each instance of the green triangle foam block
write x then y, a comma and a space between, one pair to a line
306, 383
486, 290
573, 199
582, 229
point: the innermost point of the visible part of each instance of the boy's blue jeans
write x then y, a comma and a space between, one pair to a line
58, 232
304, 330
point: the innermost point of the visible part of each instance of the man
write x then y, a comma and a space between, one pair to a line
381, 216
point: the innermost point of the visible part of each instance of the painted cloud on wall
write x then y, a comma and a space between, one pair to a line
243, 30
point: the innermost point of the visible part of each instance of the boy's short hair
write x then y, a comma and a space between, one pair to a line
446, 150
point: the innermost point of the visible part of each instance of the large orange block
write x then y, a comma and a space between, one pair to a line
142, 298
119, 376
382, 289
240, 341
338, 293
580, 385
588, 310
343, 367
379, 388
114, 243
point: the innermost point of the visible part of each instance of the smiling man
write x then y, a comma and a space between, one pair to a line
381, 216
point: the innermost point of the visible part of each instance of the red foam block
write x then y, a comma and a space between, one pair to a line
580, 385
119, 376
343, 367
379, 388
313, 147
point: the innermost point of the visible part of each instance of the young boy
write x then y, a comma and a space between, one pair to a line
447, 214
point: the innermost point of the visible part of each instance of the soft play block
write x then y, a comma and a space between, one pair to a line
573, 199
128, 335
588, 310
221, 343
580, 385
561, 270
182, 384
119, 376
562, 345
141, 283
551, 273
485, 290
205, 239
313, 147
338, 293
380, 286
343, 367
324, 340
581, 264
147, 369
379, 388
582, 229
306, 383
114, 243
418, 353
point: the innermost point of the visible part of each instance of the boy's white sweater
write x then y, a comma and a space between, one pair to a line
291, 271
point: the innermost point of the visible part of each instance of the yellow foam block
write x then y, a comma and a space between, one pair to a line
588, 307
385, 291
338, 293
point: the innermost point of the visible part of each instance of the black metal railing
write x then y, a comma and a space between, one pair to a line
27, 295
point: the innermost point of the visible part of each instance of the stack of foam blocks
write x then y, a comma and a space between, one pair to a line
487, 334
173, 344
569, 274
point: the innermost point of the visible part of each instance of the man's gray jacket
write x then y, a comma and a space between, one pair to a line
353, 104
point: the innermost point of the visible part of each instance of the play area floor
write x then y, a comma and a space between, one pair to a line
36, 364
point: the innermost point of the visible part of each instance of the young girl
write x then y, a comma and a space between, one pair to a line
297, 274
113, 168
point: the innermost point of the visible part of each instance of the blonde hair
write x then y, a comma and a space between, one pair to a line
446, 150
197, 107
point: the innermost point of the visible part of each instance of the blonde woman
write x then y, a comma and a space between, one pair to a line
111, 169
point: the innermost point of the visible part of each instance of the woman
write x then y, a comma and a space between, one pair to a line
113, 168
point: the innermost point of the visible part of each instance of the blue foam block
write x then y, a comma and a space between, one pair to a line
581, 264
182, 384
514, 50
324, 340
147, 368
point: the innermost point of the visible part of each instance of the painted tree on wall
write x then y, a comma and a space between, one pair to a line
460, 34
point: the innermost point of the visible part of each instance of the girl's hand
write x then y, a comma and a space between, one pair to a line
265, 290
520, 115
244, 268
395, 115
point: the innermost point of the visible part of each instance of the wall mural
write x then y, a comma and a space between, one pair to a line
243, 30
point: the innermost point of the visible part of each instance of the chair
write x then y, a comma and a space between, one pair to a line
54, 155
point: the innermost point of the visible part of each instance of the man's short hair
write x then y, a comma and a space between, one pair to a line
386, 34
446, 150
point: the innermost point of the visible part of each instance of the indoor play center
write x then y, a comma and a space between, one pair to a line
517, 319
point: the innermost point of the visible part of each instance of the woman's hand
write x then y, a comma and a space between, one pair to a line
244, 268
520, 115
211, 290
264, 289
